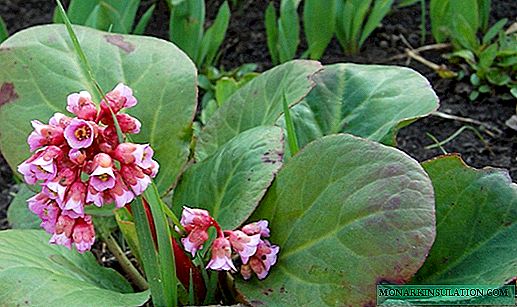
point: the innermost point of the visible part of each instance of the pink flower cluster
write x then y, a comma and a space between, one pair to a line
80, 161
257, 254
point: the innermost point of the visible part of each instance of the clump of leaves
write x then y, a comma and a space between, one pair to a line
219, 85
493, 59
108, 15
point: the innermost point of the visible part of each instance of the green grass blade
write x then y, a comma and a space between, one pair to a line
214, 36
3, 31
165, 252
289, 126
318, 26
148, 253
144, 21
272, 32
360, 11
380, 9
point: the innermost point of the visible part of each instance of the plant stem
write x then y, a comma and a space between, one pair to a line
125, 263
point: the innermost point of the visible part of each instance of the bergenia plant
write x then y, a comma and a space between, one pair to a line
293, 192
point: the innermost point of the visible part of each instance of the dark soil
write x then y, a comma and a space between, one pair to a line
246, 43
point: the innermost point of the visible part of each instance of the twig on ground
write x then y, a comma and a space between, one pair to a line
487, 127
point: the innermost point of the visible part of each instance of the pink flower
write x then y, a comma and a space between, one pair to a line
193, 218
120, 97
44, 135
128, 124
63, 231
55, 191
263, 260
46, 209
95, 197
221, 256
41, 166
141, 155
102, 177
77, 156
135, 178
243, 244
81, 105
83, 234
260, 227
120, 193
80, 133
74, 204
60, 120
196, 223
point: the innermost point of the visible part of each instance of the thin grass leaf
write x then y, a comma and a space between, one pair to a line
360, 11
144, 21
455, 135
3, 31
214, 36
423, 18
380, 9
191, 293
165, 251
318, 26
437, 143
272, 33
148, 253
289, 126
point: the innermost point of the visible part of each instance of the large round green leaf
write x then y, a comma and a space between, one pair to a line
370, 101
257, 103
40, 68
347, 214
476, 231
18, 213
231, 182
34, 273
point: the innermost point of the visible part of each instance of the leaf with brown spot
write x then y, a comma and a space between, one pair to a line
331, 210
7, 93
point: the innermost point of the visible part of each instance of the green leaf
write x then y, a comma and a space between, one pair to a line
347, 214
214, 36
484, 13
3, 31
144, 21
380, 9
370, 101
288, 30
476, 215
441, 16
40, 69
35, 273
127, 226
318, 25
493, 31
18, 213
257, 103
79, 11
186, 26
272, 32
224, 88
487, 57
125, 14
464, 34
231, 182
99, 17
